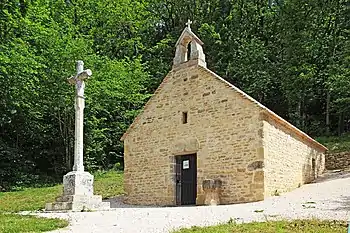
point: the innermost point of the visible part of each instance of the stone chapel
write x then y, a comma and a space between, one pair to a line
198, 132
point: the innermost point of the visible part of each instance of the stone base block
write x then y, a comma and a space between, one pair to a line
212, 190
211, 198
78, 194
78, 203
78, 183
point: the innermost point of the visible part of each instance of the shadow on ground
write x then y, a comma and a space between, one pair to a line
118, 202
342, 204
332, 175
339, 204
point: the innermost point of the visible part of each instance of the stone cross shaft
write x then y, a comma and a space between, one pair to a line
78, 185
78, 81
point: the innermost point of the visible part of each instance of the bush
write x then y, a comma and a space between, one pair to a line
13, 168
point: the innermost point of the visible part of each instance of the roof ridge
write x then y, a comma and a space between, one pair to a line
267, 110
189, 31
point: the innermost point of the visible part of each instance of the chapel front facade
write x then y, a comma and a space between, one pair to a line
197, 126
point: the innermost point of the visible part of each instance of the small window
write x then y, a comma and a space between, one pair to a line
184, 117
188, 55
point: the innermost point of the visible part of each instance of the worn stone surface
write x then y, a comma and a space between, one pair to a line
255, 165
79, 82
78, 203
212, 191
78, 194
252, 155
78, 185
339, 160
223, 129
288, 160
210, 184
189, 39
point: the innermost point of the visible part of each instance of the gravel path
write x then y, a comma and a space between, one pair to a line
328, 198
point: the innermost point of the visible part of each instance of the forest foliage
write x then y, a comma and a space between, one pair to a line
291, 55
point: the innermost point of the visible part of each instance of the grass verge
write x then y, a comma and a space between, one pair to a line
14, 223
297, 226
108, 184
336, 143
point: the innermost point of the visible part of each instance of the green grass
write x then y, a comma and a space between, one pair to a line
336, 143
14, 223
108, 184
297, 226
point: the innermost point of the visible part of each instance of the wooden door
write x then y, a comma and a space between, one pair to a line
186, 179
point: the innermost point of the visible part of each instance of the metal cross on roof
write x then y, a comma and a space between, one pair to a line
189, 22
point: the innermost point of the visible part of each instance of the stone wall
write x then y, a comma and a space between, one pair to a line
339, 160
223, 129
288, 160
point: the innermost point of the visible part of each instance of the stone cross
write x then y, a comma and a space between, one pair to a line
188, 24
78, 81
78, 185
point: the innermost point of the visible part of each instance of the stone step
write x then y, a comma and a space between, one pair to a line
57, 206
78, 203
79, 198
69, 206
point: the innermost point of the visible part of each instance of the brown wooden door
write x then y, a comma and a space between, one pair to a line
186, 179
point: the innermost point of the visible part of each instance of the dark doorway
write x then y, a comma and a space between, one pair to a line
188, 54
313, 169
186, 179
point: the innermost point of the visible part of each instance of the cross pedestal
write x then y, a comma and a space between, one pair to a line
78, 190
78, 194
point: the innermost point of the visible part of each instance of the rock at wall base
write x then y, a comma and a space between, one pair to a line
212, 190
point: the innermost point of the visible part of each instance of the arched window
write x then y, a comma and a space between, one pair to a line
188, 55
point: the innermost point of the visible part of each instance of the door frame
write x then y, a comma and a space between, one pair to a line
178, 178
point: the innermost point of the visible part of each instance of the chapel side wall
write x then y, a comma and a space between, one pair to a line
223, 128
288, 160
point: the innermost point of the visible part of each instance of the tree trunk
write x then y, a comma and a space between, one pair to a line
327, 111
341, 124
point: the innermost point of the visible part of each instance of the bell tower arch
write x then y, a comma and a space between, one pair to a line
189, 48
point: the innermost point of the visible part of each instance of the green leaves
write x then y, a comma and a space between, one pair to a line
292, 56
37, 103
114, 95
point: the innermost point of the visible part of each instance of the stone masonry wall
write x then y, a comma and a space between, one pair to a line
288, 160
223, 128
339, 160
